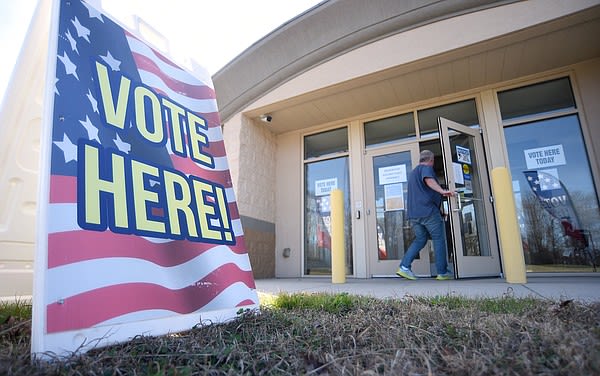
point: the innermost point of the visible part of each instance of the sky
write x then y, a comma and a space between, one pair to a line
212, 32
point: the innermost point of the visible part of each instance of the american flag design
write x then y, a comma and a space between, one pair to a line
142, 218
552, 195
324, 205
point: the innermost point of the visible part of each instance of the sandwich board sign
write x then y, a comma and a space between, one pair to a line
138, 228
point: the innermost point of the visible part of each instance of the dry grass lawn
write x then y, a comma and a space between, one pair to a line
341, 334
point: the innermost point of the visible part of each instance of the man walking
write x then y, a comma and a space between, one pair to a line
423, 211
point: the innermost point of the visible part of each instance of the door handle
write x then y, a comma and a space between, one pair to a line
358, 214
459, 202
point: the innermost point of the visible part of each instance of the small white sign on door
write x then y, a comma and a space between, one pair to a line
325, 186
392, 174
458, 173
544, 157
463, 154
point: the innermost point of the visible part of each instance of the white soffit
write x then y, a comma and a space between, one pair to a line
422, 42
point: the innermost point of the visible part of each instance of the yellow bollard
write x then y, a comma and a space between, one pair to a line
338, 251
510, 236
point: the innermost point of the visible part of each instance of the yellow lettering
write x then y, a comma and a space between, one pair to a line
204, 210
157, 134
94, 185
114, 116
179, 205
224, 214
176, 112
197, 140
142, 196
112, 186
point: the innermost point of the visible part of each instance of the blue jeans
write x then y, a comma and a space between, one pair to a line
433, 228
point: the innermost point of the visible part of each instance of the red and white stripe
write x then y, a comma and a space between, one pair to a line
104, 278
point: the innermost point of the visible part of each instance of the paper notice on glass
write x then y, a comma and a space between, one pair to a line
544, 157
468, 186
325, 186
392, 174
394, 197
458, 173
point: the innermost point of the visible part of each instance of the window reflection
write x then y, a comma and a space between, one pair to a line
390, 181
464, 112
542, 98
554, 190
325, 143
387, 130
474, 235
321, 178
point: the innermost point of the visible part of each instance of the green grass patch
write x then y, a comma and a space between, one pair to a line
504, 305
516, 306
332, 303
19, 309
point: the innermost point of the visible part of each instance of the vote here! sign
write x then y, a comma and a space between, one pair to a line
139, 224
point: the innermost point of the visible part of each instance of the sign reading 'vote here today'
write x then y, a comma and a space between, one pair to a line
547, 156
142, 230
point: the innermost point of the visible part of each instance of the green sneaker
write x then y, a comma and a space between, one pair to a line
406, 273
444, 277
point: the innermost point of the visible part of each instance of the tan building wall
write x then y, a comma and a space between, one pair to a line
288, 223
587, 78
468, 55
251, 154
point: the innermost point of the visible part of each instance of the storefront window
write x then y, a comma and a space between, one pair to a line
543, 98
321, 177
326, 143
395, 128
556, 200
464, 112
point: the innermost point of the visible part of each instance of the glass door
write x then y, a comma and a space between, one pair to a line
471, 211
388, 231
321, 177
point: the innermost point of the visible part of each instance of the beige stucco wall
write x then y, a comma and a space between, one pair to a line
587, 86
231, 139
257, 146
288, 220
251, 151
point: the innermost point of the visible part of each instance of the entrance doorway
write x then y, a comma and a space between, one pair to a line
470, 211
389, 232
460, 164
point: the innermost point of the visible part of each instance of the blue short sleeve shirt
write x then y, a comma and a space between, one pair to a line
421, 200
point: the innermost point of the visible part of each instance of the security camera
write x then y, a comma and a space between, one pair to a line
266, 118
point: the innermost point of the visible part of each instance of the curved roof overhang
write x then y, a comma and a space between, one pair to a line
324, 65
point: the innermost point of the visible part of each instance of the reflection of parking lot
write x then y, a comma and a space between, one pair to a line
472, 246
579, 256
469, 227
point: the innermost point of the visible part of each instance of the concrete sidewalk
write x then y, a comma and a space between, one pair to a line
584, 288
